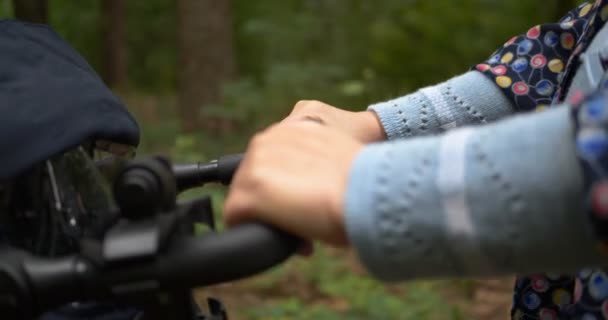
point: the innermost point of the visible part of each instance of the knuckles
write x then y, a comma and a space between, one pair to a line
256, 142
257, 148
236, 206
309, 106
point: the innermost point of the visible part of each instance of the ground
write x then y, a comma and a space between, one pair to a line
332, 285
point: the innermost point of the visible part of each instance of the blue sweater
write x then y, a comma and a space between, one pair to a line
479, 200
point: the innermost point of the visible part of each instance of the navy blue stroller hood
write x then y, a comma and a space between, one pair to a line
51, 100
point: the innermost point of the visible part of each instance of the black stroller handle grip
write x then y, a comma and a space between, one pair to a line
186, 263
197, 174
227, 166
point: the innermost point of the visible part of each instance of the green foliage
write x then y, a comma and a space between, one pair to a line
349, 54
151, 41
6, 9
77, 21
353, 55
150, 37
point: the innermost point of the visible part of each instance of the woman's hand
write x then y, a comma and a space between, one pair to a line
294, 176
363, 126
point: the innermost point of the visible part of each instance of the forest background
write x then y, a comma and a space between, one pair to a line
202, 76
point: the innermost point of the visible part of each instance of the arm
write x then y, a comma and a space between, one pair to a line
555, 201
515, 184
502, 198
468, 99
521, 75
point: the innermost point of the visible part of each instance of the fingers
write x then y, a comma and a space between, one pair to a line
236, 207
293, 176
239, 202
310, 110
303, 105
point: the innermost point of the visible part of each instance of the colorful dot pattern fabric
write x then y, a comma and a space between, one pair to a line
532, 68
535, 70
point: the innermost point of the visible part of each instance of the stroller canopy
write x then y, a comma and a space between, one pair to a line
51, 100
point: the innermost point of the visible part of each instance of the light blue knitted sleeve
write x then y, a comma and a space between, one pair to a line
494, 199
468, 99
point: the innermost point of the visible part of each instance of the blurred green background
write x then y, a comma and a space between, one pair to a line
203, 75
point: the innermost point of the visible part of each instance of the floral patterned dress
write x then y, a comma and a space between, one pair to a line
535, 70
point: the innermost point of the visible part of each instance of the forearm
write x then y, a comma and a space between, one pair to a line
467, 99
501, 198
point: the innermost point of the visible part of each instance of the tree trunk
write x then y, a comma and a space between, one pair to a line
31, 10
114, 52
206, 57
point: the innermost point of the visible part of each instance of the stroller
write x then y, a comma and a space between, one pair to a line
76, 230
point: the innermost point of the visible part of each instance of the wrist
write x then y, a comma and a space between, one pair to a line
371, 127
337, 194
